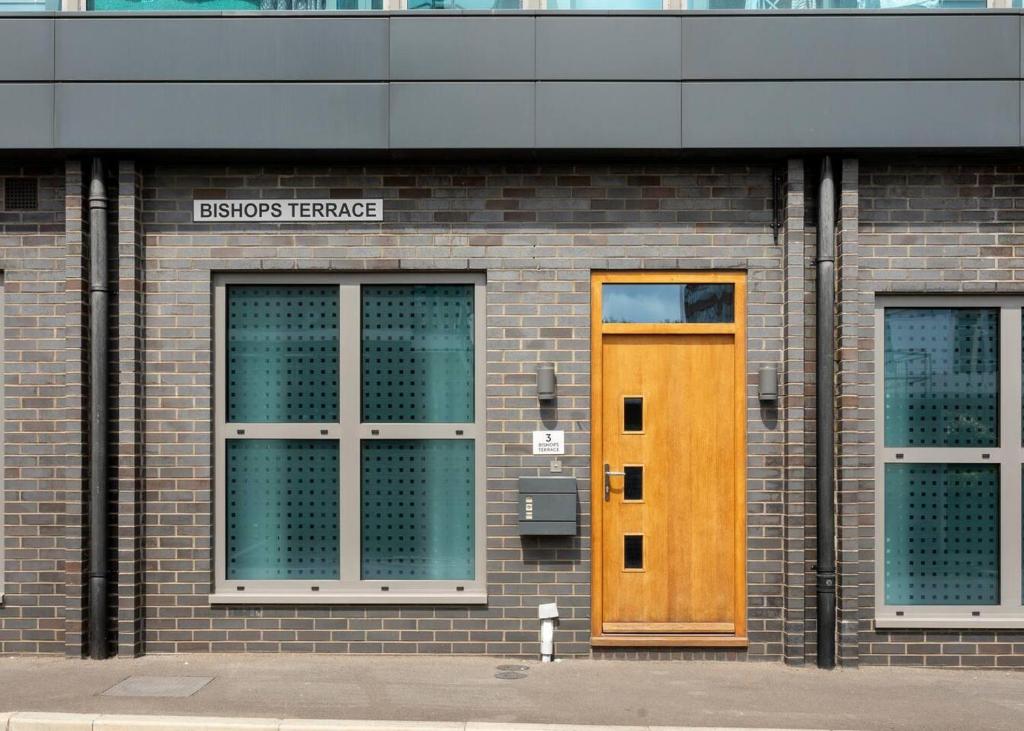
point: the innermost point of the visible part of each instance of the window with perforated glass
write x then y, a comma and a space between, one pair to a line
948, 462
350, 437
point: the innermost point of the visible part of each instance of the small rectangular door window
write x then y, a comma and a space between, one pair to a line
633, 552
668, 303
633, 413
633, 488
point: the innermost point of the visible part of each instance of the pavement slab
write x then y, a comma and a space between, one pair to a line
158, 686
462, 694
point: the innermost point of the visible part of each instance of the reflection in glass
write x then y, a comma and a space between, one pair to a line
941, 377
282, 353
417, 353
838, 4
941, 534
667, 303
604, 5
255, 5
22, 6
418, 509
463, 5
282, 509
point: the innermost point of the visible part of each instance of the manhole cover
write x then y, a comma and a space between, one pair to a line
508, 675
158, 686
514, 668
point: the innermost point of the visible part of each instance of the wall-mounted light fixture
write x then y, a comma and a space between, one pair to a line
768, 384
546, 382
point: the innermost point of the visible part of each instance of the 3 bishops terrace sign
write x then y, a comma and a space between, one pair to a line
335, 210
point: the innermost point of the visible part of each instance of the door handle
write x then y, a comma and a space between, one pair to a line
608, 481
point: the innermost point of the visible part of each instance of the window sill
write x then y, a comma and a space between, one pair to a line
391, 597
952, 623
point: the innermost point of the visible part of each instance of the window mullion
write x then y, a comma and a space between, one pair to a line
350, 374
1010, 441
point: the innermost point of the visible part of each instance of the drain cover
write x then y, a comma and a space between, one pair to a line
158, 686
508, 675
514, 668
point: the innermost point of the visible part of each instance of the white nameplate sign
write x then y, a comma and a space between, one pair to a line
549, 442
287, 211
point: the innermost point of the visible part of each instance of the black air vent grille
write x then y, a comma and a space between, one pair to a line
21, 194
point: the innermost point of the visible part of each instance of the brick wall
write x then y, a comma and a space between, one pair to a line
931, 227
538, 232
35, 438
795, 392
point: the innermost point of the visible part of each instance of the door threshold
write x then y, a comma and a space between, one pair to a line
667, 640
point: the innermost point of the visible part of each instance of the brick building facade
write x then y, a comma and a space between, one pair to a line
534, 233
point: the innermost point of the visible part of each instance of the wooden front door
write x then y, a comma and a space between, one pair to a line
668, 492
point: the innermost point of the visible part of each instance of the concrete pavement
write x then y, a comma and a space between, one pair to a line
109, 722
459, 690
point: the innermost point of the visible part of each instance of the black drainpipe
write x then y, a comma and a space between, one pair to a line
98, 337
825, 441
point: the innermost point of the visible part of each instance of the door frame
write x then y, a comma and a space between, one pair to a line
598, 330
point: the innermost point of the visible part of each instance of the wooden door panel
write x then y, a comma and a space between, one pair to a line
703, 544
687, 449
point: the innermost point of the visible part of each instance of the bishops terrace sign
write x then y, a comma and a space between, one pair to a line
335, 210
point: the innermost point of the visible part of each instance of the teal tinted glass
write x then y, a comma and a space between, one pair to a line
418, 509
667, 303
604, 5
282, 353
417, 352
262, 5
19, 6
941, 534
463, 4
282, 509
941, 377
837, 4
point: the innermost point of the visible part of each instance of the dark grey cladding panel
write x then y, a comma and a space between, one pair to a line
222, 49
851, 47
225, 116
26, 116
462, 48
851, 114
608, 115
26, 49
612, 48
462, 115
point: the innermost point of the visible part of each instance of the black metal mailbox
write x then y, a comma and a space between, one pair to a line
547, 506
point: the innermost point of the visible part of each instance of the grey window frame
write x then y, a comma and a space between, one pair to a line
350, 431
1008, 454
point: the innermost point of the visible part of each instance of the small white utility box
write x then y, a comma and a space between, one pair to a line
547, 611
